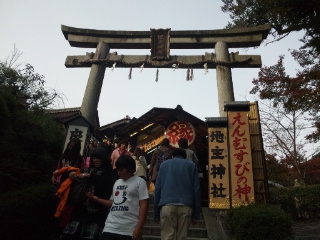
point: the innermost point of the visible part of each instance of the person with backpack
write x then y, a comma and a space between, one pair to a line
164, 152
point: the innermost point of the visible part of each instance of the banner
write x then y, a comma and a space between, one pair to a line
242, 186
218, 169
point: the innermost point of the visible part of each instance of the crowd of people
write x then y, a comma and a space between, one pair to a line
105, 194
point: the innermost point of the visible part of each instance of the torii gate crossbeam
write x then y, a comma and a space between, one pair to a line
220, 40
199, 39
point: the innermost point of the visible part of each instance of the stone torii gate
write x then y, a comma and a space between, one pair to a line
160, 41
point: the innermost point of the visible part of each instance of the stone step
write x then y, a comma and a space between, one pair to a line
151, 230
192, 232
152, 237
150, 215
151, 222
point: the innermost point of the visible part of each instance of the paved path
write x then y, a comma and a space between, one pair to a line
306, 230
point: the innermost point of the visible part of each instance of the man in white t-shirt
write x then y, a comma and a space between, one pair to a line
128, 203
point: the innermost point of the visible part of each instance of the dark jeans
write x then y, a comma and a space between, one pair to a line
113, 236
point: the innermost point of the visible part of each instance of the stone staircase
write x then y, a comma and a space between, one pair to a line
151, 229
212, 227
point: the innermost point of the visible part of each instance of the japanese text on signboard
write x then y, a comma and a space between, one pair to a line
218, 168
240, 158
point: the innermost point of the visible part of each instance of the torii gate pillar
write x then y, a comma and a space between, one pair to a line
224, 77
92, 94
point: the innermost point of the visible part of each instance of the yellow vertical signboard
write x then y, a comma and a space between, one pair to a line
218, 169
241, 175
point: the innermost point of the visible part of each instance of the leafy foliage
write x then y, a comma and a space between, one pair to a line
26, 86
30, 140
254, 222
313, 171
284, 198
285, 16
28, 213
307, 201
300, 202
294, 94
278, 171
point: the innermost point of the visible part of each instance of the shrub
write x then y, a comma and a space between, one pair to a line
28, 213
284, 198
255, 222
299, 202
307, 201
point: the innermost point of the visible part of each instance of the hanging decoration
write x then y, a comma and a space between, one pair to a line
188, 74
176, 62
113, 66
157, 75
175, 66
205, 68
130, 73
141, 67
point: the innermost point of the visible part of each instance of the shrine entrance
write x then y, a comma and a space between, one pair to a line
160, 41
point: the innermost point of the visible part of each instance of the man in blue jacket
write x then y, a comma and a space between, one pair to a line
177, 200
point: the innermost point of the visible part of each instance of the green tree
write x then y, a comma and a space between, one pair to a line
285, 16
30, 140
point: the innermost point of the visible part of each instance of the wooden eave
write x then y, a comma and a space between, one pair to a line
65, 115
62, 115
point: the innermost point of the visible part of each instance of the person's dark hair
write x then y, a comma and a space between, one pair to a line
183, 143
165, 142
137, 151
72, 155
179, 152
123, 142
131, 150
127, 162
103, 154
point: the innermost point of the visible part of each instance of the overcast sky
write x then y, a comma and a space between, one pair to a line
34, 27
